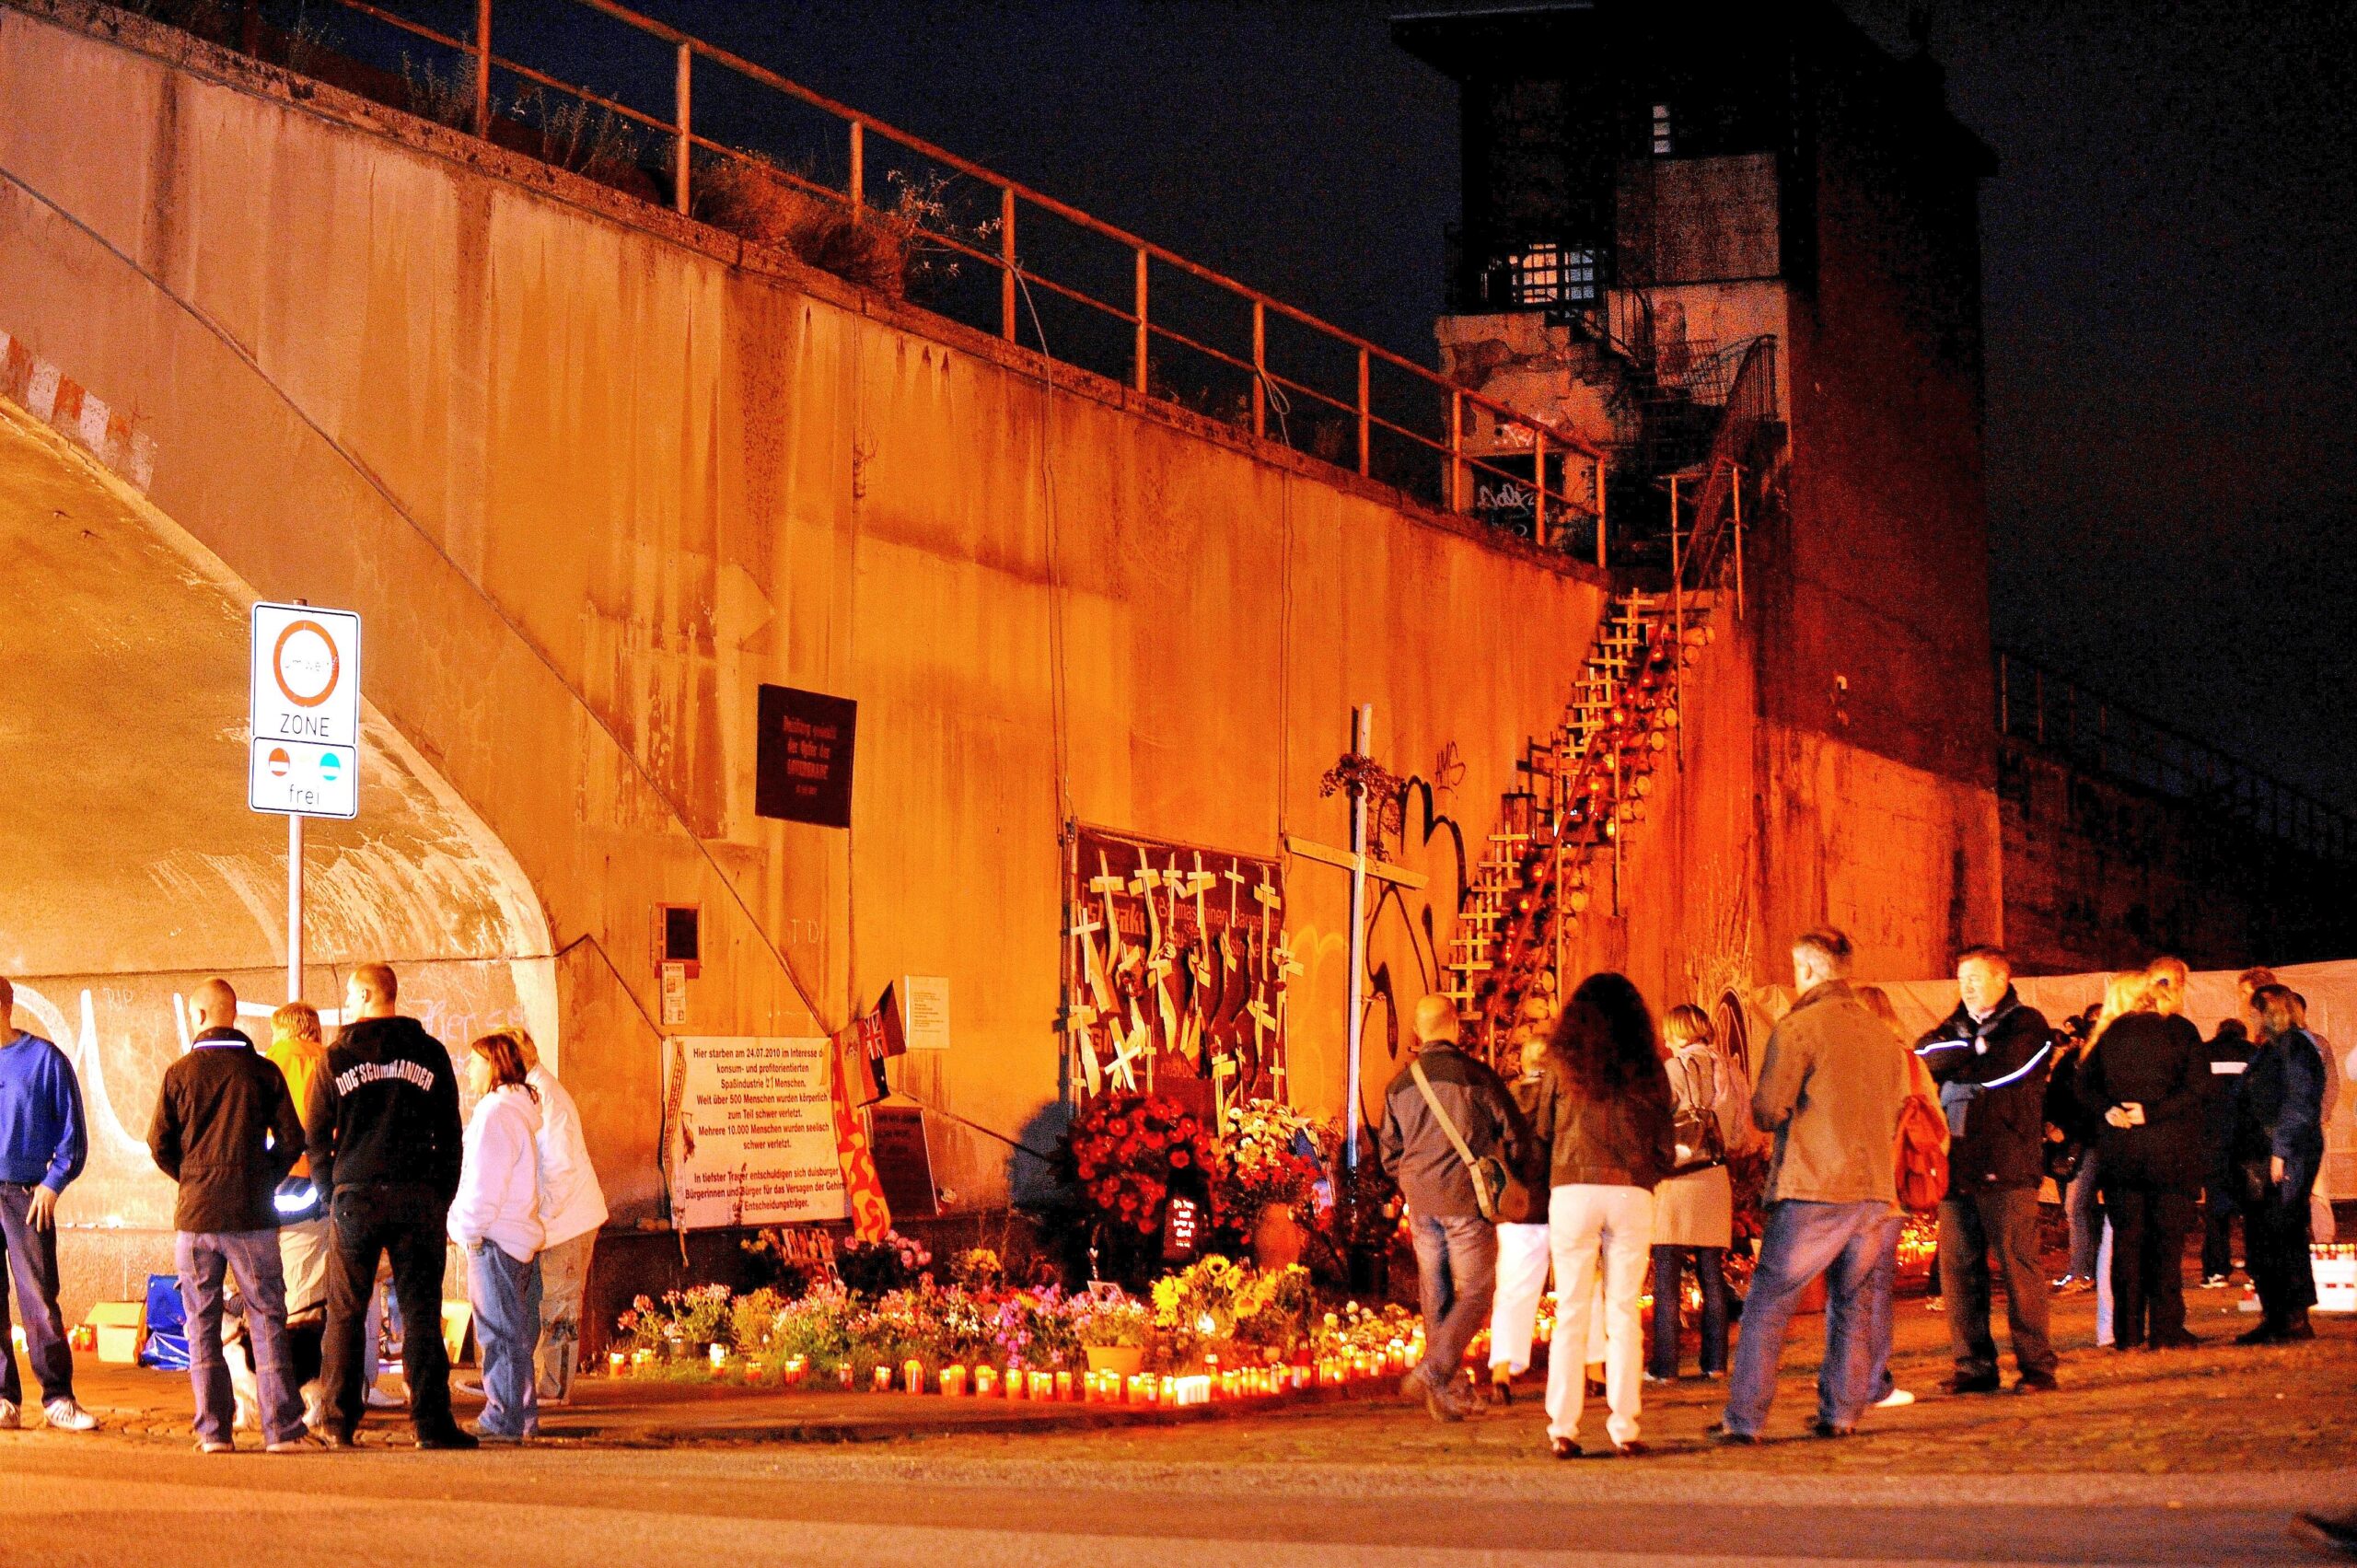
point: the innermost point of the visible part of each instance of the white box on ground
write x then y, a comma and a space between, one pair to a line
303, 695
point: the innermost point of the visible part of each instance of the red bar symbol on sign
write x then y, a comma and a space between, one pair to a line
279, 762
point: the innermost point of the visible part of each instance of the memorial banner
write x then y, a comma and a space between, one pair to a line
753, 1139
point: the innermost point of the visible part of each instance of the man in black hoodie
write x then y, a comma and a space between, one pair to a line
384, 1147
226, 1129
1991, 1058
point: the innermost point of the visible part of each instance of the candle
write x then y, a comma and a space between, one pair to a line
719, 1353
883, 1379
794, 1368
985, 1381
1063, 1385
912, 1376
1042, 1386
1016, 1386
953, 1380
842, 1374
752, 1372
616, 1361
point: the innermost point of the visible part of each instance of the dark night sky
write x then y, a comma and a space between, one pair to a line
2171, 264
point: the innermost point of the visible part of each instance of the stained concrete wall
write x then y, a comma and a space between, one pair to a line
592, 474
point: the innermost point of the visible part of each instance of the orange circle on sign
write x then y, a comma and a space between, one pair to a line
278, 665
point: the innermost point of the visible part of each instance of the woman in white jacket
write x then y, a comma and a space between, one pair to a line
495, 1220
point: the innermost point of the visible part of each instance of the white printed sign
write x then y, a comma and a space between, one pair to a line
303, 697
924, 1012
752, 1139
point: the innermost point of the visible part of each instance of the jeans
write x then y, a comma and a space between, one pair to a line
1844, 1242
1882, 1285
565, 1278
1710, 1273
2149, 1226
32, 1266
2275, 1233
405, 1222
205, 1259
1522, 1279
506, 1298
1585, 1223
2002, 1220
2086, 1224
1457, 1263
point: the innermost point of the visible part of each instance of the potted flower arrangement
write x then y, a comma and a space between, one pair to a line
1112, 1329
1270, 1172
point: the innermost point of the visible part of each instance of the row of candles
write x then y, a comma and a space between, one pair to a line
987, 1382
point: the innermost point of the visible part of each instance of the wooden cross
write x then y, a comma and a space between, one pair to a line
1382, 871
1127, 1049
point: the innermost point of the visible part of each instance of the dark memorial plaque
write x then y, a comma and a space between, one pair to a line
802, 764
903, 1162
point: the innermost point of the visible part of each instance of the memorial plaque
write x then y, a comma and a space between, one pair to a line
802, 760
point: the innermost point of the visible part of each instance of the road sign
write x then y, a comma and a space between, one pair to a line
304, 695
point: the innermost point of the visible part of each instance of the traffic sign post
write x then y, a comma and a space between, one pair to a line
303, 696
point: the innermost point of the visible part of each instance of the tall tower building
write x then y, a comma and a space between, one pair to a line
1671, 203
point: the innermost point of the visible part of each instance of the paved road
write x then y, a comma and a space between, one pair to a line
121, 1502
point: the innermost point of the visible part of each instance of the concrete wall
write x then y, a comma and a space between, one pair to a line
592, 474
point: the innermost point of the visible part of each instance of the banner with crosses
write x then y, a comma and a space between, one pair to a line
1175, 968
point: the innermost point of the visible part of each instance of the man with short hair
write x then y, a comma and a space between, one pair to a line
43, 1142
1991, 1058
385, 1146
1456, 1248
226, 1129
1830, 1086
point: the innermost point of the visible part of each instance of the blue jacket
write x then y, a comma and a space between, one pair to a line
2280, 1106
42, 1138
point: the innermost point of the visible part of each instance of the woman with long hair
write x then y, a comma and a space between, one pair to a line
495, 1220
2143, 1077
1694, 1210
1603, 1103
2278, 1144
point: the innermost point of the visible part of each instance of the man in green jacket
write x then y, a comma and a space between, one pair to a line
1830, 1088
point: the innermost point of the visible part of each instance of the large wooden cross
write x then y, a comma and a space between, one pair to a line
1361, 866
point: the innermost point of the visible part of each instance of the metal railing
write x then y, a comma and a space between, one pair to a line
1439, 441
2090, 732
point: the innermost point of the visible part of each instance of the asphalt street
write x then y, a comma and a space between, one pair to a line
116, 1502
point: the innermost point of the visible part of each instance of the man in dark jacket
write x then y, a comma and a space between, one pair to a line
2230, 1054
1456, 1248
1991, 1058
385, 1147
226, 1129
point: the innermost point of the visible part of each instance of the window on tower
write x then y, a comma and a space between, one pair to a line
1551, 274
1661, 131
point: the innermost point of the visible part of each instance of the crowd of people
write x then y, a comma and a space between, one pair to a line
311, 1177
1606, 1160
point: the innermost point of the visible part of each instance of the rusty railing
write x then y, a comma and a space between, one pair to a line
1463, 451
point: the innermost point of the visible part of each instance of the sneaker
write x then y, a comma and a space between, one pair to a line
1987, 1385
1438, 1399
309, 1443
67, 1415
1935, 1304
2035, 1383
2073, 1285
216, 1446
1717, 1433
9, 1419
2337, 1531
497, 1439
455, 1440
2216, 1281
1898, 1399
377, 1400
1823, 1428
470, 1387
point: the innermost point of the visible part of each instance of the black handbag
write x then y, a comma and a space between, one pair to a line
2254, 1181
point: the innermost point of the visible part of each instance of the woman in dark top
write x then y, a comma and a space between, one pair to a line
2278, 1144
2143, 1077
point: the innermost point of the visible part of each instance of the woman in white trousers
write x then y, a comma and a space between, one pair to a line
1603, 1104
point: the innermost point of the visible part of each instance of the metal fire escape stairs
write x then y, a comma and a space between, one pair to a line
1584, 786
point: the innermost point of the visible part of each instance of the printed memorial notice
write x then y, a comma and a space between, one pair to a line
751, 1139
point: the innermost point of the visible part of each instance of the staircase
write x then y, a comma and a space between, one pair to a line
1584, 785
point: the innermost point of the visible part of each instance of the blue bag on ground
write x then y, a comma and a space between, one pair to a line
167, 1346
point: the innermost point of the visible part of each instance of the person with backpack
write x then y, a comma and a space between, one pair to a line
1449, 1132
1832, 1085
1603, 1108
1991, 1058
1694, 1209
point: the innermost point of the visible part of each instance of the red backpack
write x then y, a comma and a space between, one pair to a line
1920, 1156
